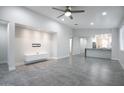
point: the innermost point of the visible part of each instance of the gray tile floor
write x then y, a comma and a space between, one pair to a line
73, 71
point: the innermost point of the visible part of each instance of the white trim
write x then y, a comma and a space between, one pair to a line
1, 62
19, 63
12, 68
53, 58
121, 64
63, 57
115, 59
76, 54
67, 56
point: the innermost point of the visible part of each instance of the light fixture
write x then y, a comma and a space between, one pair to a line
62, 19
68, 13
94, 39
104, 13
91, 23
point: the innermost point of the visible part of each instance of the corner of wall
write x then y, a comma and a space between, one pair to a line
12, 68
121, 56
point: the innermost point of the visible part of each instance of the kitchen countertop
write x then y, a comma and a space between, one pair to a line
98, 49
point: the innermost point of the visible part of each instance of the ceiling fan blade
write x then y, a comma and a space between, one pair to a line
77, 11
60, 16
71, 17
58, 9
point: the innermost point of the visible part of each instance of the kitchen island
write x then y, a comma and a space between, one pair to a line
98, 52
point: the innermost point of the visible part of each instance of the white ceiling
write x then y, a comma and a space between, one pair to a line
92, 14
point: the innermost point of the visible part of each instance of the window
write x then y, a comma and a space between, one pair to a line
103, 40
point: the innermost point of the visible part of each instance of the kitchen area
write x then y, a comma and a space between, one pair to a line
101, 47
99, 53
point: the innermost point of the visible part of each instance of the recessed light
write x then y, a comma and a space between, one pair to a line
91, 23
62, 19
104, 13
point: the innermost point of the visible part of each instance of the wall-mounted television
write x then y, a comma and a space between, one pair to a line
36, 45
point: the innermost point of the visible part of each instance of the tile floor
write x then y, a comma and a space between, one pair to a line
73, 71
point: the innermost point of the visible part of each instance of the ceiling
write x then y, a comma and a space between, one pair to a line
92, 14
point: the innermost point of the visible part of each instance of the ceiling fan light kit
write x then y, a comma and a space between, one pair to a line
68, 12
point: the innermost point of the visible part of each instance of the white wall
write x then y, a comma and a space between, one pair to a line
121, 43
121, 56
54, 46
89, 42
76, 46
89, 33
83, 45
25, 16
63, 42
3, 43
121, 38
115, 44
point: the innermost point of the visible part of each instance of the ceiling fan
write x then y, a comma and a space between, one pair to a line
68, 12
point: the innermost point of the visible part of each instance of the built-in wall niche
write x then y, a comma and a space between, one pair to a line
31, 42
36, 45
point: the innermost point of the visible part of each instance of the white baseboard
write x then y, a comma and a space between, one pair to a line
12, 68
76, 54
121, 64
68, 56
1, 62
115, 59
53, 58
58, 57
19, 63
63, 57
